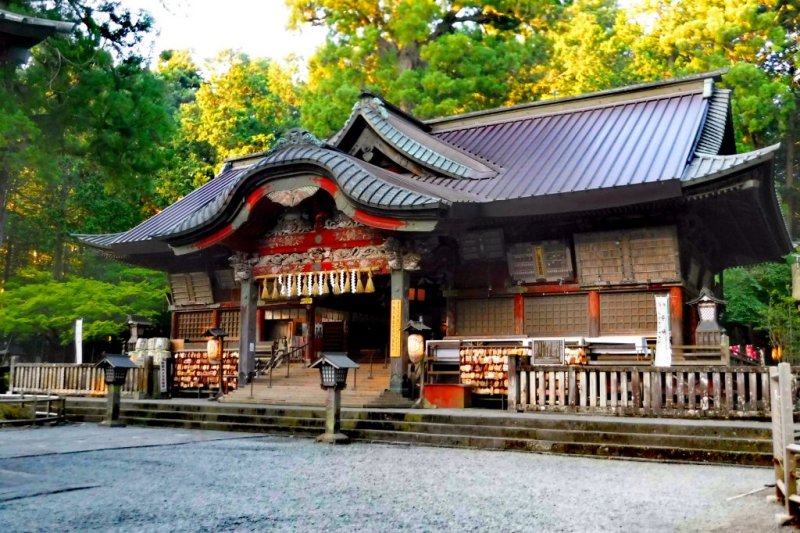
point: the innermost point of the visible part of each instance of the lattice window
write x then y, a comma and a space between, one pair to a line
192, 325
548, 316
654, 254
627, 313
230, 323
644, 255
485, 317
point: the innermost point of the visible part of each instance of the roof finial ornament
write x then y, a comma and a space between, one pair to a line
293, 137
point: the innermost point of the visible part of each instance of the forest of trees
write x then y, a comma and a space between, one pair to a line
94, 138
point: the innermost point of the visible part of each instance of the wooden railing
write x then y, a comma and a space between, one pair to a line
684, 391
35, 409
785, 452
70, 380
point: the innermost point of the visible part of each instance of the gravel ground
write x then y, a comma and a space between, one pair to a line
174, 480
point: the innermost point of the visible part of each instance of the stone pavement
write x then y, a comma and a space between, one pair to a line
84, 477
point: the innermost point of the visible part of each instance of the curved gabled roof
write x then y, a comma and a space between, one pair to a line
365, 186
408, 136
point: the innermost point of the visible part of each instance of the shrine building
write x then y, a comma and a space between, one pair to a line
558, 219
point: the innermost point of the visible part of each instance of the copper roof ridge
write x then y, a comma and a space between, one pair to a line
570, 104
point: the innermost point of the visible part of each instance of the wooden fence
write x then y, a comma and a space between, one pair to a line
785, 451
37, 409
70, 380
685, 391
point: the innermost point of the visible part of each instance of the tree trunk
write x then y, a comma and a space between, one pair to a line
5, 185
790, 189
59, 251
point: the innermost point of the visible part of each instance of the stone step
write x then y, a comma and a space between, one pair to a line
640, 439
594, 449
477, 418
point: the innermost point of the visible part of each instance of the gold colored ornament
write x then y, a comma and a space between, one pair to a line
370, 286
359, 285
265, 294
346, 282
275, 294
324, 284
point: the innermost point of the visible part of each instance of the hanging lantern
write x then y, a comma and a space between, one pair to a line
416, 347
417, 330
370, 286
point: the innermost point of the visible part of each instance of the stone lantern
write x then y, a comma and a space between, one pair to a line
708, 331
333, 367
116, 369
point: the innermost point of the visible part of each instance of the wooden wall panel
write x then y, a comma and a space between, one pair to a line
547, 316
646, 255
628, 313
485, 317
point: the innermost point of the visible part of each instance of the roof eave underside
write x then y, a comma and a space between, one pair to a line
754, 211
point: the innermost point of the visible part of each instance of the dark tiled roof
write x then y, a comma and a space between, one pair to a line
616, 147
623, 144
185, 208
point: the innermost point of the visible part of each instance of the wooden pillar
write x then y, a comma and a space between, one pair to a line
398, 351
247, 335
311, 341
694, 319
173, 326
676, 314
242, 264
519, 314
259, 324
346, 334
594, 313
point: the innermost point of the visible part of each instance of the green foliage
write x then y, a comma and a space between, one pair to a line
759, 297
14, 412
35, 305
429, 57
242, 108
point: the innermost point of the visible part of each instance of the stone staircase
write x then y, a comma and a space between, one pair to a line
366, 387
706, 441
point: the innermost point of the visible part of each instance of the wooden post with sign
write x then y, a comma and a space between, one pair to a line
397, 321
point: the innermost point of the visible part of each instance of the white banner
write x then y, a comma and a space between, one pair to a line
663, 332
79, 341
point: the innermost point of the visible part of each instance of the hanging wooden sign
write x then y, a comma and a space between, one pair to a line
396, 329
540, 261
